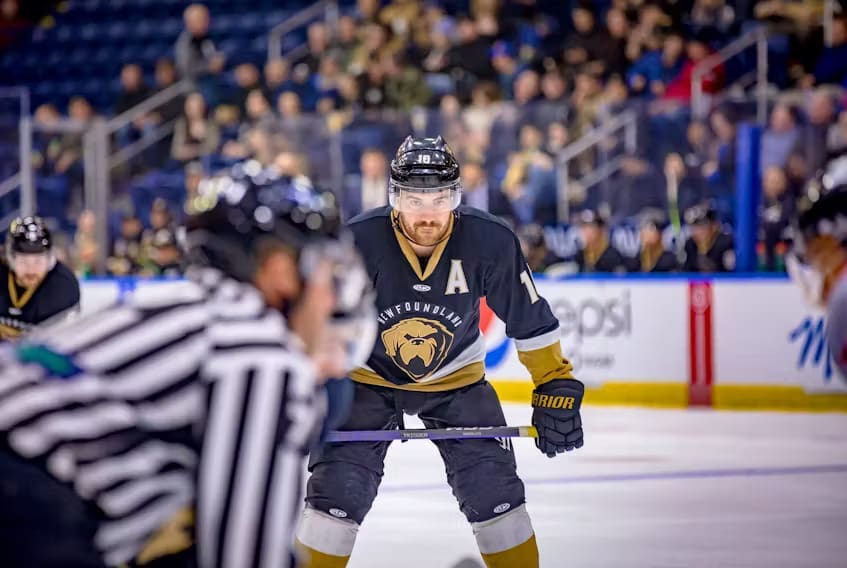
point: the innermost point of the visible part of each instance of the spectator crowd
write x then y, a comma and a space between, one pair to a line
509, 84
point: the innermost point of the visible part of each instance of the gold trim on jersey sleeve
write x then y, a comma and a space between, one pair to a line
409, 252
546, 363
467, 375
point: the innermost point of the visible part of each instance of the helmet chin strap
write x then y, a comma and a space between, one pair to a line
402, 229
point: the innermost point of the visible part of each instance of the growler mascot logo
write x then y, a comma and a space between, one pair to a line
417, 345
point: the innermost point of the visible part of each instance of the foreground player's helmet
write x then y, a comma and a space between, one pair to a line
820, 230
29, 242
424, 166
238, 209
236, 212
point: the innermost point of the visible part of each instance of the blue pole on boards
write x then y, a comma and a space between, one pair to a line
747, 195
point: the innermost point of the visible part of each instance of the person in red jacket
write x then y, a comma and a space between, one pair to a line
697, 49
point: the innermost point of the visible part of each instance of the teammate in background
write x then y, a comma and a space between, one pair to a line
708, 249
165, 258
597, 253
818, 261
652, 256
431, 261
120, 428
35, 286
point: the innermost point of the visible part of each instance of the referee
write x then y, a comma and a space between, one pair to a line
172, 428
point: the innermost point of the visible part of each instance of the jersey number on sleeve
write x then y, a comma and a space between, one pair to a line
526, 279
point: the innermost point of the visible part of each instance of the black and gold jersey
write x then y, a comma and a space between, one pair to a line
428, 309
21, 309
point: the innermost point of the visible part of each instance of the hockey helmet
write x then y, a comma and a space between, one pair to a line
819, 229
822, 210
246, 204
29, 240
424, 175
236, 212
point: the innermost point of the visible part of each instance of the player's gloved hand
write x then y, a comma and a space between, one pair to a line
334, 399
555, 414
339, 398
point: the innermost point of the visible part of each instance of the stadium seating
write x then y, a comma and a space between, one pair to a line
95, 38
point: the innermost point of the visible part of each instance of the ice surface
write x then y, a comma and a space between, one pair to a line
651, 488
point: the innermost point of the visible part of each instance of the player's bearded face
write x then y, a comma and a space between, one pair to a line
425, 217
425, 230
30, 269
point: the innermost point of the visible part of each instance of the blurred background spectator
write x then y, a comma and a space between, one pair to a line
598, 253
197, 58
709, 248
653, 256
510, 84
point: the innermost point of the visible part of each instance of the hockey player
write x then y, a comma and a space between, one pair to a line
36, 286
818, 261
652, 255
119, 428
597, 254
709, 249
431, 261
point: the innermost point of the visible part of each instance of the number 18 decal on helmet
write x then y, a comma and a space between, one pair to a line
424, 177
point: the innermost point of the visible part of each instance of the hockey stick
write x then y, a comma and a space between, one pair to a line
432, 434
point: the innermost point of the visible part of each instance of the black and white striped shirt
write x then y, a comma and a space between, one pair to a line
197, 397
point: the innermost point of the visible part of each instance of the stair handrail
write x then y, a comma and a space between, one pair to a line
329, 8
150, 104
627, 121
757, 37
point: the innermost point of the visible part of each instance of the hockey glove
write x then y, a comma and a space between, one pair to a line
555, 414
334, 401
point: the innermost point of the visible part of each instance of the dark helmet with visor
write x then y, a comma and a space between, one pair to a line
29, 238
424, 175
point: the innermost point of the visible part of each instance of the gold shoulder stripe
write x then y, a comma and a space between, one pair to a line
410, 255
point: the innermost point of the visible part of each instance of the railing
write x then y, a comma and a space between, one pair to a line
149, 105
327, 8
20, 93
21, 178
701, 103
99, 161
829, 7
25, 178
97, 187
627, 122
28, 195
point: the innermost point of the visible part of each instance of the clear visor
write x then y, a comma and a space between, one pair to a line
407, 200
30, 262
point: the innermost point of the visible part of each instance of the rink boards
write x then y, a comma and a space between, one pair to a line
730, 342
